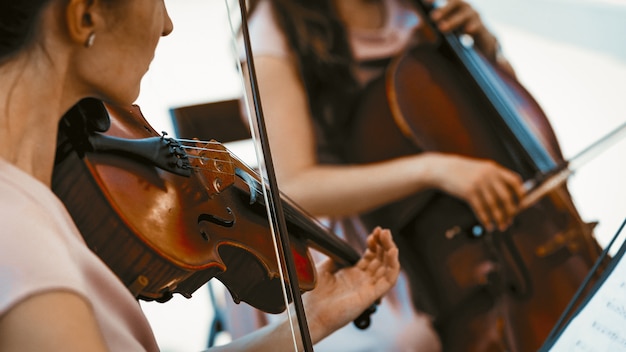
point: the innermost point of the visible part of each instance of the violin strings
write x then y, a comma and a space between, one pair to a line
184, 140
256, 188
222, 149
195, 146
199, 168
205, 158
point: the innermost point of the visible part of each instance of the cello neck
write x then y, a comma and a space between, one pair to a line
490, 83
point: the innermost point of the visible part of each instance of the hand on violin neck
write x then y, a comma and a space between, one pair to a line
342, 294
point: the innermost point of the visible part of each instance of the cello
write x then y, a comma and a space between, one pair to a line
488, 291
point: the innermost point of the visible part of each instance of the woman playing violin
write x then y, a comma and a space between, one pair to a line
312, 59
56, 295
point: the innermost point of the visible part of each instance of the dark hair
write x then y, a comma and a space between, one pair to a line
319, 40
18, 24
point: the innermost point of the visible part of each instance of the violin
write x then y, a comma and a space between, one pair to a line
498, 291
167, 215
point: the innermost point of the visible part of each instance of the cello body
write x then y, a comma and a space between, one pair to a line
499, 291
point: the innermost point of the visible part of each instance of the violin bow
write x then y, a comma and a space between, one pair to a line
274, 205
538, 187
538, 190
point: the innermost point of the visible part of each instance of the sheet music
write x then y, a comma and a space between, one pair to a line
600, 325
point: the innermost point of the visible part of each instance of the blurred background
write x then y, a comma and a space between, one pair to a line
570, 54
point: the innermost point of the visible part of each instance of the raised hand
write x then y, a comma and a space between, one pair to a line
343, 294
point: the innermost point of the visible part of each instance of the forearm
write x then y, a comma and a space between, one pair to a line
336, 190
275, 337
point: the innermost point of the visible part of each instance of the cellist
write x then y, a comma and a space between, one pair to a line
55, 294
312, 60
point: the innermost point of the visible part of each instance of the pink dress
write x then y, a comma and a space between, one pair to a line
42, 251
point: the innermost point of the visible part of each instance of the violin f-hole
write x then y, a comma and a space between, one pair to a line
217, 220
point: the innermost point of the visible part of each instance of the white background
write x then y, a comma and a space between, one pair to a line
571, 55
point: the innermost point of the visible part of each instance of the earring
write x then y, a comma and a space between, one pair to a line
90, 40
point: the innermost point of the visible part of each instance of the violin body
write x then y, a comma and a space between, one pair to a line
500, 291
163, 233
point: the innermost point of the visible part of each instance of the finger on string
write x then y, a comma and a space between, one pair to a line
473, 26
456, 18
442, 8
